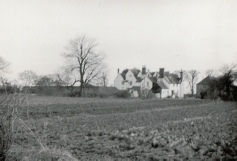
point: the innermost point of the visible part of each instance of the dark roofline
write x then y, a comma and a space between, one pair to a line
205, 81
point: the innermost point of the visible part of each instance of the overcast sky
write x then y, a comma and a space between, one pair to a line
174, 34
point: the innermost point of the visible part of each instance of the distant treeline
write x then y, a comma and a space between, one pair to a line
91, 91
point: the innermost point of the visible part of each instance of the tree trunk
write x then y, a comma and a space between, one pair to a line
228, 92
192, 91
2, 156
104, 82
81, 87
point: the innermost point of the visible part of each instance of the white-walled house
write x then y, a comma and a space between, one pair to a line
162, 84
127, 80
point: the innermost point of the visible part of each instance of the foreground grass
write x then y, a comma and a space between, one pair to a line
110, 129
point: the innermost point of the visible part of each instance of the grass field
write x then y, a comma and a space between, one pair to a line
126, 129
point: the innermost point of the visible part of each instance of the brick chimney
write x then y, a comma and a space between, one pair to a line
162, 72
181, 76
118, 71
143, 69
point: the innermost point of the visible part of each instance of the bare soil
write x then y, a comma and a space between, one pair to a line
127, 129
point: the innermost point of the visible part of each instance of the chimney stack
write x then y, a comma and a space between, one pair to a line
143, 69
162, 72
118, 71
181, 76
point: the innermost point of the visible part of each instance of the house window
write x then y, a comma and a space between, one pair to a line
130, 82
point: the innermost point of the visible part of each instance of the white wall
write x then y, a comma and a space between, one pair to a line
146, 84
131, 78
118, 82
164, 93
181, 89
175, 88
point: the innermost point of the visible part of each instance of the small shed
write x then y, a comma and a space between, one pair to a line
203, 88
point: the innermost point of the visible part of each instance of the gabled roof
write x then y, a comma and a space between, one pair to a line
134, 73
162, 85
152, 73
205, 81
153, 79
139, 79
172, 78
123, 75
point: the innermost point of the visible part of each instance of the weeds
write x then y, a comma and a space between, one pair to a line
10, 108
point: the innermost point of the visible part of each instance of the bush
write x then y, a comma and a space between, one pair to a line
9, 110
8, 88
74, 94
122, 94
234, 93
147, 94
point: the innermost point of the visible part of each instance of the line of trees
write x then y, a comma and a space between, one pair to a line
222, 85
84, 66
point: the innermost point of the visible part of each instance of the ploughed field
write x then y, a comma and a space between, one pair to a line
126, 129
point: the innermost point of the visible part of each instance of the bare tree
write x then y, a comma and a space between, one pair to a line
28, 77
178, 73
192, 78
83, 60
226, 80
104, 78
65, 78
3, 64
45, 80
210, 72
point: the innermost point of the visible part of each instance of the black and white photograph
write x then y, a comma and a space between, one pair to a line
118, 80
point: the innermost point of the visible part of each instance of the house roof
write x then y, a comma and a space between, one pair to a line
162, 85
205, 81
153, 79
135, 73
123, 75
172, 78
139, 79
152, 73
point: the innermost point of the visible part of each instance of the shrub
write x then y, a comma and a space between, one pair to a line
74, 94
145, 94
8, 88
9, 110
234, 93
122, 94
176, 96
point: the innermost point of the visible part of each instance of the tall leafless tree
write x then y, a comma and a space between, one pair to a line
28, 77
210, 72
192, 77
227, 78
178, 73
3, 64
104, 78
83, 60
